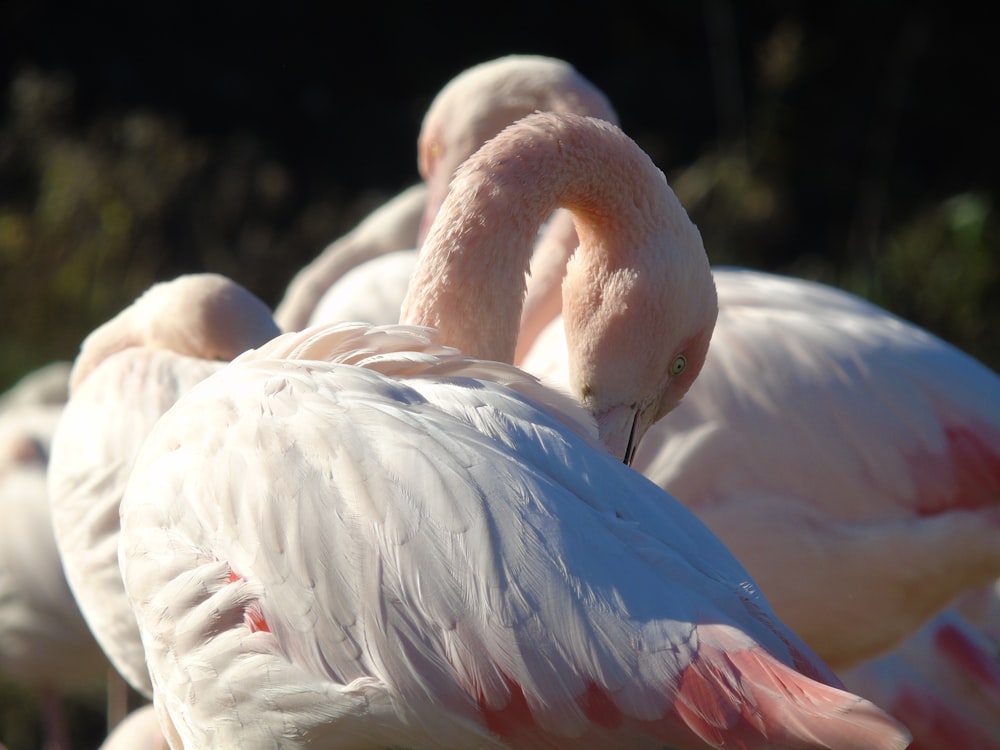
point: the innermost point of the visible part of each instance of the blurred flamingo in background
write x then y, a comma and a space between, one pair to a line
848, 458
943, 682
353, 536
363, 276
392, 226
44, 643
128, 372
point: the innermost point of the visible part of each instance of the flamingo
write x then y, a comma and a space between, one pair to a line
942, 682
850, 459
47, 385
355, 537
127, 373
380, 253
44, 642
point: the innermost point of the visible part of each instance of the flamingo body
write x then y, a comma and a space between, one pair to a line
129, 371
102, 428
45, 642
848, 458
140, 730
45, 645
355, 537
451, 565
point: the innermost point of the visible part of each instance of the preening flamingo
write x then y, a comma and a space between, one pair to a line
848, 458
44, 642
354, 537
471, 108
128, 372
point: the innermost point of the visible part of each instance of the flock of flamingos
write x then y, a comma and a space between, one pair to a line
446, 523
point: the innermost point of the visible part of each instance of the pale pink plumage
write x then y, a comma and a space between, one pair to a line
44, 642
128, 372
849, 459
942, 682
354, 537
355, 278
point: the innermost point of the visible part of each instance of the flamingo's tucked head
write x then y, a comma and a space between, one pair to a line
637, 336
482, 100
203, 315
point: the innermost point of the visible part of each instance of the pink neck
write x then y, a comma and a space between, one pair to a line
470, 278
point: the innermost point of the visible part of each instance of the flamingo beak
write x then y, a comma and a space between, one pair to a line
620, 428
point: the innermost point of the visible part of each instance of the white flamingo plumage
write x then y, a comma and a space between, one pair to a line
393, 226
128, 372
848, 458
371, 292
354, 537
44, 642
942, 682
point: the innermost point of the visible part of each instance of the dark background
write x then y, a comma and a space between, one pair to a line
853, 143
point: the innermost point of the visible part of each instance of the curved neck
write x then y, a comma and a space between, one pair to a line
470, 277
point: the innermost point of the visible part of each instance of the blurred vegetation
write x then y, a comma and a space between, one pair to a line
854, 146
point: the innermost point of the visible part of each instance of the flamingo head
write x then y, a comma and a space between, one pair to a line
637, 338
483, 100
203, 315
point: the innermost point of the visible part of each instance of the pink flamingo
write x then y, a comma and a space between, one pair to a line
354, 537
128, 372
44, 642
848, 458
363, 275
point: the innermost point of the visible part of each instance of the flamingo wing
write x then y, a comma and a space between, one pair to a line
813, 392
99, 434
827, 437
324, 546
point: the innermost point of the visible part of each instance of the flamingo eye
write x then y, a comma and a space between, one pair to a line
678, 365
